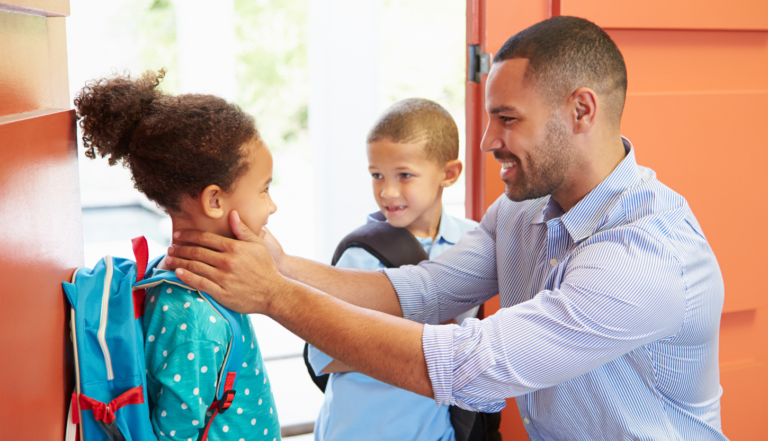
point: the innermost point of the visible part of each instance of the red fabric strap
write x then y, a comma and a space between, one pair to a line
228, 383
106, 412
141, 253
208, 426
75, 409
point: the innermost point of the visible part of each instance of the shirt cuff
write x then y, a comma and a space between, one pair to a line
437, 342
456, 356
418, 303
318, 360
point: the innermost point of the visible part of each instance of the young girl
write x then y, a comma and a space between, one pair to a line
198, 157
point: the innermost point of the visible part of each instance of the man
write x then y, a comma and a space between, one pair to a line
611, 296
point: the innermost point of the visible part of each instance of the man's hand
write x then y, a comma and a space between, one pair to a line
274, 247
239, 274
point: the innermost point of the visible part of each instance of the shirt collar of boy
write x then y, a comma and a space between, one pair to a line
449, 230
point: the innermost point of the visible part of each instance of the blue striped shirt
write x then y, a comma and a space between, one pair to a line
609, 322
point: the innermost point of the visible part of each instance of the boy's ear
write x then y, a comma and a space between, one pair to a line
452, 172
212, 201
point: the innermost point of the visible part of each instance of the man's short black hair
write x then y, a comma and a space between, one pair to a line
565, 53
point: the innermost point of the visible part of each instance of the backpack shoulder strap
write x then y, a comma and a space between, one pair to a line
233, 360
392, 246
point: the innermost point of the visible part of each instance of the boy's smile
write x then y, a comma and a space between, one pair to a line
408, 186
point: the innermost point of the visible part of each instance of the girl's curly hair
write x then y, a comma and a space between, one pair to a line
174, 145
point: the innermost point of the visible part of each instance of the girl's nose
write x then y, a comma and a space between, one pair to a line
272, 205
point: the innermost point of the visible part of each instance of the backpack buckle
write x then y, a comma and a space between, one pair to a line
226, 400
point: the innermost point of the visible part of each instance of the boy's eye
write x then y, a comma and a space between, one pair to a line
266, 190
376, 175
507, 119
406, 175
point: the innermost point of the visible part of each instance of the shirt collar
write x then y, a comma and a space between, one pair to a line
449, 229
585, 217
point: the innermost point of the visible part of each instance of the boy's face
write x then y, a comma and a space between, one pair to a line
407, 185
250, 196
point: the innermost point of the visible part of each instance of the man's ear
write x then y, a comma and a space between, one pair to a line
212, 202
583, 109
452, 172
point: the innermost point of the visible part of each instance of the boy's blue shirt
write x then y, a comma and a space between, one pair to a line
359, 407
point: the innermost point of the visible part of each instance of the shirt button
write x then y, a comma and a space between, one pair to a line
526, 420
553, 262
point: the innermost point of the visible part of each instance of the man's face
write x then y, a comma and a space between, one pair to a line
525, 133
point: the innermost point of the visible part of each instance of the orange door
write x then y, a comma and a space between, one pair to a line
696, 104
40, 224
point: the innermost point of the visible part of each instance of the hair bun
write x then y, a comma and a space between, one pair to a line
111, 108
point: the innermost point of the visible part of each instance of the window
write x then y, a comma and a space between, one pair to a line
314, 75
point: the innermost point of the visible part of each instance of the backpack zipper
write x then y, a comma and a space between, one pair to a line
102, 334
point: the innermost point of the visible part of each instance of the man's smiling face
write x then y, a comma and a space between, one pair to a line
526, 134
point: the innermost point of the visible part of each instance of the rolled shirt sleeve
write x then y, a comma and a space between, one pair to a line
616, 293
462, 277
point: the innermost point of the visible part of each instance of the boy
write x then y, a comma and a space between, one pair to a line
413, 154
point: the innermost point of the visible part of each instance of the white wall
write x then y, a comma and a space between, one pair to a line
343, 54
205, 38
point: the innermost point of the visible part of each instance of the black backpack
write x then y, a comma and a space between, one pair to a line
395, 247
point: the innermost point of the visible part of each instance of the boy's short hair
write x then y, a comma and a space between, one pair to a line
419, 119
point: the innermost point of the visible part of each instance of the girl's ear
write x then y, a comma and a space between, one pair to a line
452, 172
212, 202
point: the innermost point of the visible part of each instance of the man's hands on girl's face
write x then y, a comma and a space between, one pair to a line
239, 274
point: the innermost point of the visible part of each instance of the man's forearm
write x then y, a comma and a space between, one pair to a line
378, 345
367, 289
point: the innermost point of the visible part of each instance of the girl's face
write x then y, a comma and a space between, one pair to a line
250, 196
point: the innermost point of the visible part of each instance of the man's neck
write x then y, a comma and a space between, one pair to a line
597, 164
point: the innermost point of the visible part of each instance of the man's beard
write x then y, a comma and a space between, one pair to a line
546, 165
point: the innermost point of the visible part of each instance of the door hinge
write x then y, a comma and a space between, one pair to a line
479, 63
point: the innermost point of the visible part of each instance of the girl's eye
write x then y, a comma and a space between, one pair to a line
376, 175
406, 175
266, 190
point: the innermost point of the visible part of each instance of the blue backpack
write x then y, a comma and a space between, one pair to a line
110, 398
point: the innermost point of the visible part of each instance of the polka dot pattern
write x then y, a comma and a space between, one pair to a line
187, 357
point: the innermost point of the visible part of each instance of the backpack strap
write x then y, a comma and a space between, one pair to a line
233, 360
225, 390
392, 246
141, 253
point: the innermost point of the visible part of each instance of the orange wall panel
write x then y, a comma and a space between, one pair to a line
33, 63
714, 157
667, 14
692, 61
42, 242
